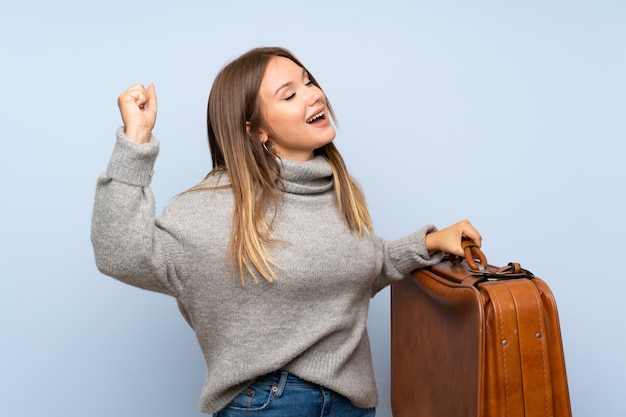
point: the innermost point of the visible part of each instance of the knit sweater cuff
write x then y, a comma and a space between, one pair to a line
410, 253
130, 163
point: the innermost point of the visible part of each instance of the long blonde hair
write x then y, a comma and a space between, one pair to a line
253, 170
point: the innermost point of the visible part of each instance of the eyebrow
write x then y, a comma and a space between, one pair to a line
288, 83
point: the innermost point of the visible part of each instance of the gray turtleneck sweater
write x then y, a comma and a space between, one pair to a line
310, 322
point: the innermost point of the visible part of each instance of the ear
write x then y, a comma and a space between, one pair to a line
260, 134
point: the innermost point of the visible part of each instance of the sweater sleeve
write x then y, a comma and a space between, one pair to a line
403, 256
128, 245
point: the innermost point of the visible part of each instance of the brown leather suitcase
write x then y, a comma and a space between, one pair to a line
470, 339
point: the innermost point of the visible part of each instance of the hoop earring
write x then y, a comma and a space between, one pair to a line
269, 148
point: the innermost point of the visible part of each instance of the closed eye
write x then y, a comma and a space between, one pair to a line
307, 83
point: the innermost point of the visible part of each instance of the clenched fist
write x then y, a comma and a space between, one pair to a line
138, 106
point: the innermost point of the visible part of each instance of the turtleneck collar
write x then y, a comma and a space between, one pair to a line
310, 177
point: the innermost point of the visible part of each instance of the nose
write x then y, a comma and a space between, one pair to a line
316, 95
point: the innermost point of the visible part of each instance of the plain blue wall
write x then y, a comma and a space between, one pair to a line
509, 113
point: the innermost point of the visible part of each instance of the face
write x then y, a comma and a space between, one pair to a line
296, 117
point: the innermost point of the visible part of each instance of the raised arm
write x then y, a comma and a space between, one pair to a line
128, 242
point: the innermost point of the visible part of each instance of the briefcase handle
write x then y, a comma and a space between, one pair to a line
477, 262
473, 254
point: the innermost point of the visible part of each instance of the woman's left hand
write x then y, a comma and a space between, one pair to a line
449, 239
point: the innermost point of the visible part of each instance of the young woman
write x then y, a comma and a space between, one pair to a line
271, 258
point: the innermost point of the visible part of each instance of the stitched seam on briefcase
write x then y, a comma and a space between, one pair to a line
494, 297
543, 363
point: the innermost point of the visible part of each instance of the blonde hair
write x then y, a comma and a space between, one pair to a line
253, 170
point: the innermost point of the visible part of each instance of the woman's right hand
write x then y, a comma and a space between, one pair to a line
138, 106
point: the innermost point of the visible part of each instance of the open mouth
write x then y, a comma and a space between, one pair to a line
317, 118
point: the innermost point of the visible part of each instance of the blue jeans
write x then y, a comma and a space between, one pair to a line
281, 394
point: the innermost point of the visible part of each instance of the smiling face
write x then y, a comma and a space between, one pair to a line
296, 116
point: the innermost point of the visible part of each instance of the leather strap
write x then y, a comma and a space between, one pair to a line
473, 253
518, 382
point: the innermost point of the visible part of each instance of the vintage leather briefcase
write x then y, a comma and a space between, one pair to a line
470, 339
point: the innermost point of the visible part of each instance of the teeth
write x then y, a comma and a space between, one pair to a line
317, 116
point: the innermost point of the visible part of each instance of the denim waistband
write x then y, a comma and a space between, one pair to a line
282, 379
279, 393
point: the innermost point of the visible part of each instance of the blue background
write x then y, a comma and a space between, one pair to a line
509, 113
